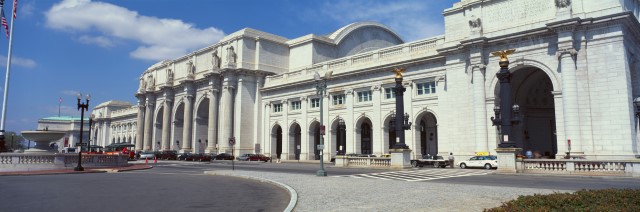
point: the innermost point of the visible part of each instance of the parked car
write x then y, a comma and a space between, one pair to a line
488, 162
259, 157
224, 156
147, 155
245, 157
185, 156
201, 157
428, 160
169, 155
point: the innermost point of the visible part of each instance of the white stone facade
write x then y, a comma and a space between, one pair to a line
114, 122
575, 74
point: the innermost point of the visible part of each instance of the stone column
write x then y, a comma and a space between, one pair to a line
377, 130
212, 126
187, 123
570, 98
166, 124
148, 123
480, 108
139, 132
226, 117
348, 120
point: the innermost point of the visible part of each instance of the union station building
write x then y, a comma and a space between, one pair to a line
575, 76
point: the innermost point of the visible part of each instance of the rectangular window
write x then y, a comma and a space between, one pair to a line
338, 99
426, 88
295, 105
389, 94
277, 108
364, 96
315, 103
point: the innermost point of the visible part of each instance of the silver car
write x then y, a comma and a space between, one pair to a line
147, 155
244, 157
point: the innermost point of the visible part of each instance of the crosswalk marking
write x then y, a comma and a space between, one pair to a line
417, 175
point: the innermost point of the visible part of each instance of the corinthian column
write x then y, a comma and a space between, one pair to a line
140, 124
212, 127
188, 123
480, 108
166, 124
148, 121
570, 98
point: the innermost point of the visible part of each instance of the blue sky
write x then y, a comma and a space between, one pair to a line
64, 47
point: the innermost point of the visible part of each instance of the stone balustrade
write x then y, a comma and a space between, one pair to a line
31, 162
344, 161
629, 168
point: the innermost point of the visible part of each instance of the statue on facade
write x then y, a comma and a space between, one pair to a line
231, 55
150, 83
143, 85
215, 60
169, 75
191, 71
475, 24
560, 4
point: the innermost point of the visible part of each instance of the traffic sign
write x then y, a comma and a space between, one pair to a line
232, 141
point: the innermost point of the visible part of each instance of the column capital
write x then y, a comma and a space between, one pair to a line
566, 51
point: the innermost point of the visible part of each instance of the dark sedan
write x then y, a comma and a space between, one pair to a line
259, 157
224, 156
185, 156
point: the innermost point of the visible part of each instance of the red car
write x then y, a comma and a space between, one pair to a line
258, 157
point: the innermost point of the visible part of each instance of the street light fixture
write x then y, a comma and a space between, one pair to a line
82, 107
321, 88
400, 115
505, 119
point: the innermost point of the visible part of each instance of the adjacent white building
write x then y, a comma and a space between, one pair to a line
575, 74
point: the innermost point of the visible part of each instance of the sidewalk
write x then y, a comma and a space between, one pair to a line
86, 170
314, 193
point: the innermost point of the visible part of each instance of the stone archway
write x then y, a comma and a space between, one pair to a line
339, 137
178, 123
531, 90
389, 135
157, 132
426, 134
295, 141
314, 141
201, 125
276, 141
364, 136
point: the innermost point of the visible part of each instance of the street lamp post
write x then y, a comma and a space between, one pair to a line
82, 107
90, 129
504, 118
400, 115
321, 88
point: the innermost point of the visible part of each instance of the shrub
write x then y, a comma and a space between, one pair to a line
583, 200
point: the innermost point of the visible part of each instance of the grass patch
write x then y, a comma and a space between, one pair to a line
583, 200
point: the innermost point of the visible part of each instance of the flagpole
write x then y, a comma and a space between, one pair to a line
6, 81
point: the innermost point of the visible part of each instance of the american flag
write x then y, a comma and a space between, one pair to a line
4, 23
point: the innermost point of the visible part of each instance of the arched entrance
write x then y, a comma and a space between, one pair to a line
427, 134
389, 134
338, 137
531, 90
201, 125
314, 141
157, 135
364, 143
178, 124
276, 141
295, 141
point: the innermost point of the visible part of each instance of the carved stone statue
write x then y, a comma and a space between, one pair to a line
169, 75
191, 71
150, 83
560, 4
143, 85
231, 55
215, 60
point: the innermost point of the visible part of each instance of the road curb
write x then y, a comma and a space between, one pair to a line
292, 192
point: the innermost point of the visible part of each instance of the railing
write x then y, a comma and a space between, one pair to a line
363, 162
27, 162
422, 48
579, 167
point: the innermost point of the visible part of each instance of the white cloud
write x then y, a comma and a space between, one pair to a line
25, 9
160, 38
70, 93
99, 40
411, 19
18, 61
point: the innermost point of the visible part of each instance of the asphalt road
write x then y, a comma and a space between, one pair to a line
515, 181
144, 190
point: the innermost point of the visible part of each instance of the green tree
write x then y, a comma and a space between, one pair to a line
13, 141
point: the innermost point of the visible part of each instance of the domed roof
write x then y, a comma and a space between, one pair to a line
341, 33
